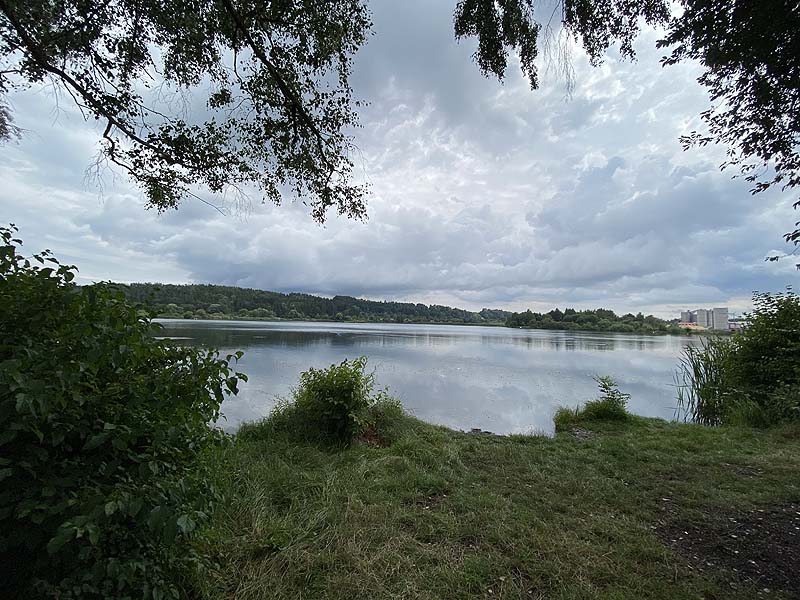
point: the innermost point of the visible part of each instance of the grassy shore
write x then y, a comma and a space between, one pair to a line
636, 509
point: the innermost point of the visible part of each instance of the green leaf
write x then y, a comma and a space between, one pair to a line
63, 535
96, 440
158, 516
94, 534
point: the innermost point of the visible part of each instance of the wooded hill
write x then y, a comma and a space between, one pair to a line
200, 301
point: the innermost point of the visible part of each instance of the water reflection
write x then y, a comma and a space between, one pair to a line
246, 334
503, 380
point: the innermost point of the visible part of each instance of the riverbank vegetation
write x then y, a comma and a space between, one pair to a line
106, 489
633, 508
200, 301
600, 319
610, 406
752, 378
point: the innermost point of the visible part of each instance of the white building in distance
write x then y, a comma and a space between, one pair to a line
713, 318
719, 318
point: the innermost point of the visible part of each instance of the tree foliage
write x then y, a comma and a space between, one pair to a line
751, 55
276, 78
274, 75
519, 25
103, 432
600, 319
750, 52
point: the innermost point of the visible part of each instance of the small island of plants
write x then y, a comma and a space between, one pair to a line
600, 319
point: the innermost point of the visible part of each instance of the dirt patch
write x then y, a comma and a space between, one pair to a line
371, 437
429, 502
478, 431
761, 546
580, 433
748, 471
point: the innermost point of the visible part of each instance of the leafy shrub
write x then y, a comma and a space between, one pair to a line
611, 406
328, 405
612, 402
103, 434
753, 379
765, 364
382, 422
333, 401
565, 418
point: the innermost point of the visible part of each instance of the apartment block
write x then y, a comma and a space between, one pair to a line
719, 318
713, 318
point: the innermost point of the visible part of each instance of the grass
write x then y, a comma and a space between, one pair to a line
421, 511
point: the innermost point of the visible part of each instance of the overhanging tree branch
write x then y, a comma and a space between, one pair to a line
291, 139
92, 103
284, 87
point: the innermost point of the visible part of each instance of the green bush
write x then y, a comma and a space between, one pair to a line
765, 364
611, 406
565, 418
103, 434
383, 420
753, 379
332, 402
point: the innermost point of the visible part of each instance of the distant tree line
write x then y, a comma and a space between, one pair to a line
600, 319
199, 301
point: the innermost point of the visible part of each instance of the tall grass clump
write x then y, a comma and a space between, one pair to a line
104, 434
753, 378
610, 406
703, 383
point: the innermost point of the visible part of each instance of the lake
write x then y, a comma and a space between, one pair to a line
493, 378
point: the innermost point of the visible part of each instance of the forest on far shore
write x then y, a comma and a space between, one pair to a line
201, 301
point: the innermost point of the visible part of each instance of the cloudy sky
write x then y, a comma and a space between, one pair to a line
482, 194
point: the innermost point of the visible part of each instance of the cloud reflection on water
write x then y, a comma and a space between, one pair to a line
502, 380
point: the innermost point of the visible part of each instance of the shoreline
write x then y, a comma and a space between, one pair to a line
634, 510
494, 324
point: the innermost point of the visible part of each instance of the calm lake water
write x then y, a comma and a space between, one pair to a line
494, 378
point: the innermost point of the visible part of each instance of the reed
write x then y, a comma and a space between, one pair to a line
705, 394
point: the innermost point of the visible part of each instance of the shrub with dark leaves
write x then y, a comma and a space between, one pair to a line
104, 437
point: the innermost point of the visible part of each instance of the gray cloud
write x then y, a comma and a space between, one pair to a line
482, 194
